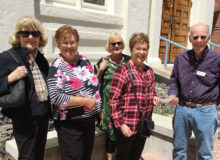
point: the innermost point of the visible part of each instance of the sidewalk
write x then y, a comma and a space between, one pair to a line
216, 153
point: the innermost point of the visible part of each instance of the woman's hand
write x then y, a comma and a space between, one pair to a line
157, 101
82, 101
90, 103
101, 115
125, 130
17, 74
103, 65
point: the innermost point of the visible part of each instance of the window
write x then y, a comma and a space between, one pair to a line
68, 2
97, 2
100, 5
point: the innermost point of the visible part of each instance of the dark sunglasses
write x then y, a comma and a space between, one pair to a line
114, 43
197, 37
27, 33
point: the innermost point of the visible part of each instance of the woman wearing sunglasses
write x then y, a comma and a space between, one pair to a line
105, 69
30, 120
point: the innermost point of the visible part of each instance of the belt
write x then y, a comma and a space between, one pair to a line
195, 105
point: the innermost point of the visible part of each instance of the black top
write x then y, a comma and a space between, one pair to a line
32, 107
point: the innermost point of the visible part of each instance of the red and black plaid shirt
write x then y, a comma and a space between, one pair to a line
122, 100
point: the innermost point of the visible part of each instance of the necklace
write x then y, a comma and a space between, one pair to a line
76, 58
116, 59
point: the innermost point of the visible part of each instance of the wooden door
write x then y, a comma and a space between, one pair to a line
174, 26
216, 25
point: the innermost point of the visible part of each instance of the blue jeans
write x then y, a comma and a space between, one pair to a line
203, 122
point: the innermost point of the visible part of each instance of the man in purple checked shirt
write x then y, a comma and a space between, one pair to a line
194, 84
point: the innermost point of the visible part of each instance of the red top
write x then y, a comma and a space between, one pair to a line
122, 100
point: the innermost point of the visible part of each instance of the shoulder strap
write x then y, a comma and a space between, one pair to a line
135, 95
13, 56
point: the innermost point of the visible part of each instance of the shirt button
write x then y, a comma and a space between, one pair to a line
192, 82
191, 91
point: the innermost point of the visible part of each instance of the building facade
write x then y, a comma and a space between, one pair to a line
96, 21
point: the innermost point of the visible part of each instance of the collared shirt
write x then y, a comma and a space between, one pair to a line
195, 80
122, 100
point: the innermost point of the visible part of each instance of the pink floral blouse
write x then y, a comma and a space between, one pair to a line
78, 79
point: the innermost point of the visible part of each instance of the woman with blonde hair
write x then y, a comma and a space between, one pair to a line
105, 69
30, 120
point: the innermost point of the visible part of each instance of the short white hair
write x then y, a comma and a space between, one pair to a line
190, 32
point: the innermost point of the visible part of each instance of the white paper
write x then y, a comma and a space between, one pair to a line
168, 99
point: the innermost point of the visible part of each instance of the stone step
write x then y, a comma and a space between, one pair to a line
151, 156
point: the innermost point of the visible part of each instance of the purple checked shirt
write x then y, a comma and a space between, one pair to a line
195, 80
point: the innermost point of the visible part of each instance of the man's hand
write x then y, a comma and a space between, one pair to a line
173, 100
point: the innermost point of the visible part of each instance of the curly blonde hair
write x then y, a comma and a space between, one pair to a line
28, 23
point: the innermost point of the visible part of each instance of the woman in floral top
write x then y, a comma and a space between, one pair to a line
105, 70
73, 90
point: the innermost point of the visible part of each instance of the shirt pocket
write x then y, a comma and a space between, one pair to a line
209, 79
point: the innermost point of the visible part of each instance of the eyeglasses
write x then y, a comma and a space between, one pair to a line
141, 49
67, 43
197, 37
118, 43
27, 33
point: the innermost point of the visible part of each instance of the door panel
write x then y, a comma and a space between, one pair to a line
174, 26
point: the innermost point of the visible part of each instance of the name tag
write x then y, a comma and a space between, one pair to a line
200, 73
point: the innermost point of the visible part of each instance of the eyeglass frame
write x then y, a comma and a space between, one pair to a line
118, 43
197, 37
26, 34
67, 43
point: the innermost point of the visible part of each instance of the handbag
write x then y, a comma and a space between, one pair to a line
145, 126
16, 96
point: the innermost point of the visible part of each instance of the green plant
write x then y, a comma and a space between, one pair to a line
164, 109
3, 138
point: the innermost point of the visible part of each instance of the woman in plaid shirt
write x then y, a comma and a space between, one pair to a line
122, 100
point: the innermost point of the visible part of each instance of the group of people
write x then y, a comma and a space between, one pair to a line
74, 93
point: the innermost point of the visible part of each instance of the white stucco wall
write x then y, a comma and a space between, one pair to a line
136, 19
202, 11
122, 16
93, 27
10, 11
154, 31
